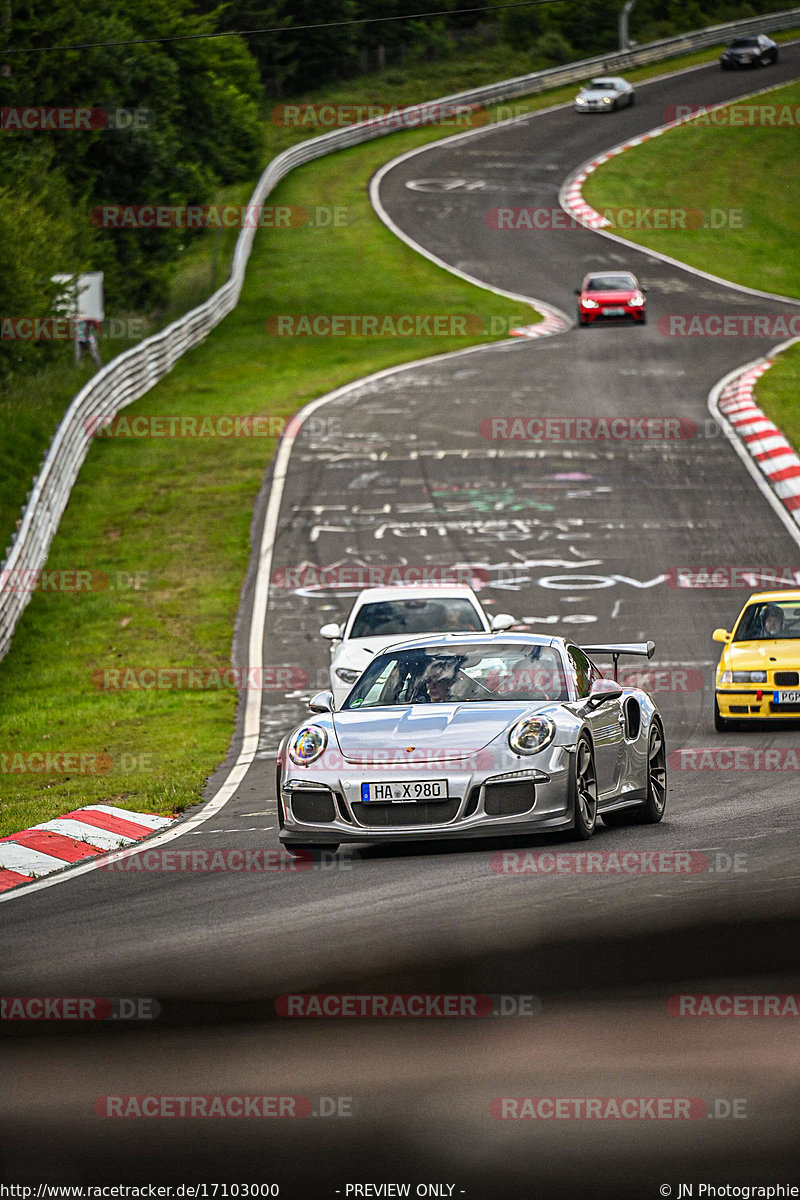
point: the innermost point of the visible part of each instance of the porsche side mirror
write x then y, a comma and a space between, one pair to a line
602, 690
322, 702
502, 621
721, 635
331, 631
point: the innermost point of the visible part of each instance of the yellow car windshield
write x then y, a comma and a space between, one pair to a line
769, 619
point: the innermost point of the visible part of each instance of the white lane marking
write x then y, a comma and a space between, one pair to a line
247, 829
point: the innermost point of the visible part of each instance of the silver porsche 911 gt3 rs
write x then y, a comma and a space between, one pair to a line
458, 735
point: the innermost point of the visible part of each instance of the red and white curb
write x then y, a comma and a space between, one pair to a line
82, 833
571, 197
763, 441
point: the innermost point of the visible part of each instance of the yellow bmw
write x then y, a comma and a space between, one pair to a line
758, 677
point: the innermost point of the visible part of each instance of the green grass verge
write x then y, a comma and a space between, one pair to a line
752, 171
778, 393
751, 176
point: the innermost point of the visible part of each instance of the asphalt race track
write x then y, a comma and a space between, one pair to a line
576, 536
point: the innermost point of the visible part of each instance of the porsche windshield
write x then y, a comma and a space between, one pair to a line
442, 614
771, 619
458, 675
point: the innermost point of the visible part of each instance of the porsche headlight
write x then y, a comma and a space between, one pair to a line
606, 99
531, 734
347, 674
749, 676
307, 745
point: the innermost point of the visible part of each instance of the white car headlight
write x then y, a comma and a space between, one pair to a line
307, 745
531, 734
347, 674
606, 99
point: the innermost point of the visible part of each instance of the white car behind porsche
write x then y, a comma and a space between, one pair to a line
381, 616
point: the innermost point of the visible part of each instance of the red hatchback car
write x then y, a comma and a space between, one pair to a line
611, 295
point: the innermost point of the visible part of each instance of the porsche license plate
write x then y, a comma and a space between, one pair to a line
614, 312
786, 697
404, 791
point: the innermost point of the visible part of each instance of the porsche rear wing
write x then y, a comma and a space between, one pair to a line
617, 649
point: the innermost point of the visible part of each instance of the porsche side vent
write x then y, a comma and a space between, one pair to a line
314, 805
509, 799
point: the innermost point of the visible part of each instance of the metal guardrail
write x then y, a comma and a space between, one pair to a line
132, 374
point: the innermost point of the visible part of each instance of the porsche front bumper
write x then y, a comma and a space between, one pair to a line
326, 807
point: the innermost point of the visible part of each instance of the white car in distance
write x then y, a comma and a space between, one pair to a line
604, 94
381, 616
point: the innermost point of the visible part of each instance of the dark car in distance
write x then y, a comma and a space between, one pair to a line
754, 50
